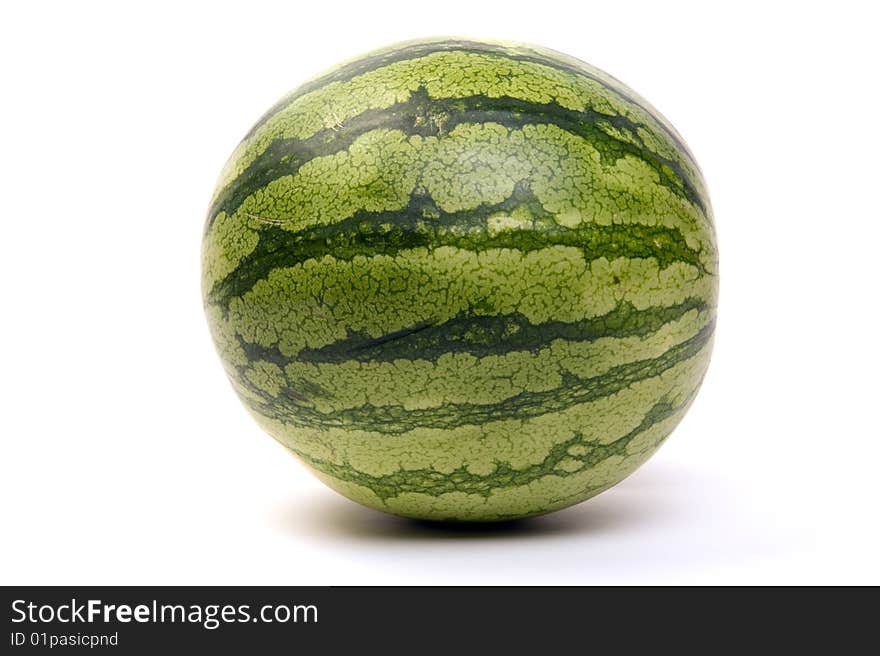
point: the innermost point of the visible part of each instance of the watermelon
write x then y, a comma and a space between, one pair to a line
463, 280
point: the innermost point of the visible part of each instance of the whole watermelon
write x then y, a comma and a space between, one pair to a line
463, 280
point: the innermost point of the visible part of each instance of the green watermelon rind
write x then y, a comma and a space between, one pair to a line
463, 280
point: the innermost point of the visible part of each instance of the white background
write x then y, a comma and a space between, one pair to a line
126, 457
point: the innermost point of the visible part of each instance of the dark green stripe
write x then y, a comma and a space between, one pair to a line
434, 483
481, 336
415, 51
285, 156
574, 390
423, 225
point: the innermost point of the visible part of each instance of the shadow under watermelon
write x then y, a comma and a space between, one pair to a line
651, 495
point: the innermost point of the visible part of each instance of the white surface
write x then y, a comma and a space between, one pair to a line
128, 459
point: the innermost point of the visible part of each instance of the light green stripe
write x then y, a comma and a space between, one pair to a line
480, 446
474, 165
578, 455
447, 75
310, 305
463, 378
394, 419
484, 335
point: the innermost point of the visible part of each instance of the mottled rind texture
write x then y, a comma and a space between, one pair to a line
463, 280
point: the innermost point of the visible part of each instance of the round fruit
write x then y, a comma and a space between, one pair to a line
463, 280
